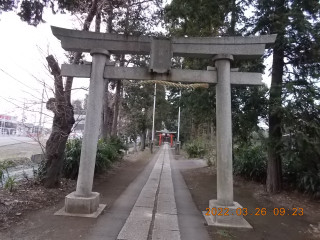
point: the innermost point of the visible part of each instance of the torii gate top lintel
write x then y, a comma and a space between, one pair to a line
83, 41
161, 51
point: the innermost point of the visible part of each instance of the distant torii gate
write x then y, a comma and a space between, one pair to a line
222, 50
166, 132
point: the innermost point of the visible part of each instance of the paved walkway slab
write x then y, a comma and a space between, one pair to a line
153, 207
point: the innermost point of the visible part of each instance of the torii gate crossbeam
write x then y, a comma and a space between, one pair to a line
241, 47
176, 75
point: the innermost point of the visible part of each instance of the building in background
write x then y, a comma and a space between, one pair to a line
8, 124
78, 127
79, 122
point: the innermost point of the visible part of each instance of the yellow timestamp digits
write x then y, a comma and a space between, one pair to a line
256, 212
282, 211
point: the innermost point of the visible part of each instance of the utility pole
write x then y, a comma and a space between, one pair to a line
153, 117
178, 136
41, 110
23, 118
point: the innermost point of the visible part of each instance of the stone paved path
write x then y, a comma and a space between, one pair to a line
155, 210
147, 209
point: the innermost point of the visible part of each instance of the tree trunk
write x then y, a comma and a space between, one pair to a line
107, 113
119, 82
55, 150
143, 140
212, 132
135, 146
116, 109
274, 171
110, 118
119, 112
98, 19
232, 29
117, 102
63, 121
147, 141
274, 176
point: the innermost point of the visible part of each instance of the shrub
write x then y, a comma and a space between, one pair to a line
107, 153
250, 162
4, 170
71, 161
309, 182
196, 149
211, 157
10, 183
118, 144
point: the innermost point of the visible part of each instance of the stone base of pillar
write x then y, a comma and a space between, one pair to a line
82, 206
226, 216
177, 148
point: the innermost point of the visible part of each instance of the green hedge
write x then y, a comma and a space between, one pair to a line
195, 149
107, 153
250, 162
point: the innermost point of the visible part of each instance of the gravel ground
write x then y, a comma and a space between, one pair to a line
27, 212
19, 151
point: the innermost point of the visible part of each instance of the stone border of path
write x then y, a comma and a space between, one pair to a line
138, 223
191, 220
111, 222
166, 224
154, 215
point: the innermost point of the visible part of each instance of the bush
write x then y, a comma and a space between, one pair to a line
107, 153
250, 162
309, 182
4, 171
196, 149
71, 161
116, 142
211, 157
297, 174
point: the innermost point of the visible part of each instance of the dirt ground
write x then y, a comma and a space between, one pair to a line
31, 216
202, 185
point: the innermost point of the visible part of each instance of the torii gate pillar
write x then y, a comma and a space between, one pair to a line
230, 217
84, 202
224, 131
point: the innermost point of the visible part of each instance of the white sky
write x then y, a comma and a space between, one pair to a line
20, 57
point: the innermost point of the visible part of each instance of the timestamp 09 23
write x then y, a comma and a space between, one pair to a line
257, 212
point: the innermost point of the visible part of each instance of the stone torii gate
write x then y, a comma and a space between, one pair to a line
222, 50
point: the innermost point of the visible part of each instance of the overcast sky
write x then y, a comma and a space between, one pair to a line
21, 62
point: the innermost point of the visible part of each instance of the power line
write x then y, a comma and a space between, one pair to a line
18, 80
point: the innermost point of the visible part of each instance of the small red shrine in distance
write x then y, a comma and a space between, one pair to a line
166, 136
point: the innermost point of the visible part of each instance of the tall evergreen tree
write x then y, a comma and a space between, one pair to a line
295, 54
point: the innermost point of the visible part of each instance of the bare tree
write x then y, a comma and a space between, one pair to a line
62, 108
63, 121
108, 106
